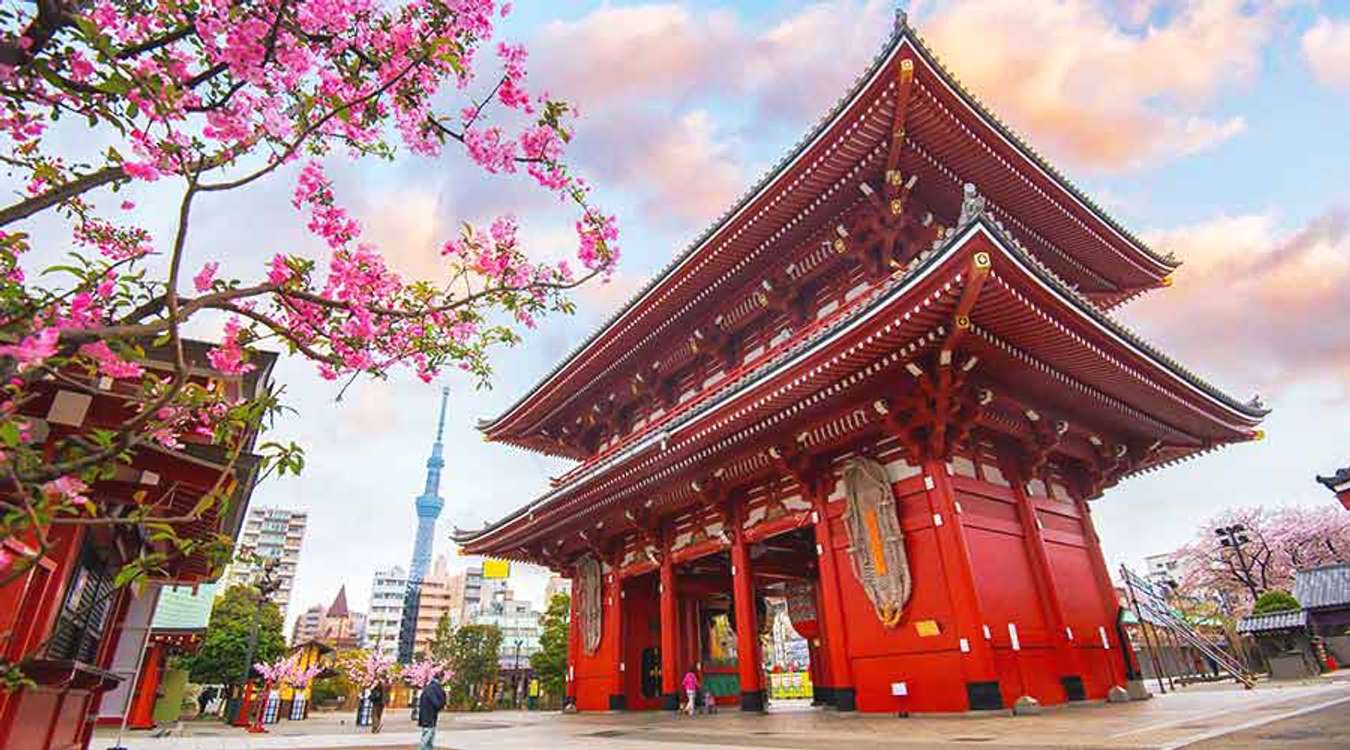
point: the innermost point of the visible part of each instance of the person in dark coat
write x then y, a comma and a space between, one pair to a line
429, 707
376, 708
204, 699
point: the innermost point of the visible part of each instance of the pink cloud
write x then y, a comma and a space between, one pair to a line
678, 166
639, 51
1260, 303
1326, 47
1102, 96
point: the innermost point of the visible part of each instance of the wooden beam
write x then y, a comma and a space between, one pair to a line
904, 88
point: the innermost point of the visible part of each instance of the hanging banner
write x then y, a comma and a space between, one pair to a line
589, 605
876, 545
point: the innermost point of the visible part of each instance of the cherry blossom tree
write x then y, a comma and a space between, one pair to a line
1273, 544
421, 672
367, 669
204, 97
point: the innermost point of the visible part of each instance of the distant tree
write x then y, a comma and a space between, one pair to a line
473, 658
550, 661
1277, 543
221, 658
1275, 601
442, 643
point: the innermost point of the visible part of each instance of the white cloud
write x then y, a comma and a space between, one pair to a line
1326, 47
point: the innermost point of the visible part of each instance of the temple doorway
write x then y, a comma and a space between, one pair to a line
786, 581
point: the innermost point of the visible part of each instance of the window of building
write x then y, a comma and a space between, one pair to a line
84, 613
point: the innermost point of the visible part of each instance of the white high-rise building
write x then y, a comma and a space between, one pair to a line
385, 614
271, 532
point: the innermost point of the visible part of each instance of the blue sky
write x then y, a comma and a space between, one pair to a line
1216, 129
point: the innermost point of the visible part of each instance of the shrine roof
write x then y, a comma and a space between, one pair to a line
1144, 268
1242, 417
1338, 482
1323, 587
1294, 619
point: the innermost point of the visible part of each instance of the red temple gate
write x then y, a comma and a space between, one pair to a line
876, 379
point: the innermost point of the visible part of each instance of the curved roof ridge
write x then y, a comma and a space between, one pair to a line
902, 33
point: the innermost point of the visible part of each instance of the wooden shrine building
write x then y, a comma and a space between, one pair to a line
884, 386
78, 637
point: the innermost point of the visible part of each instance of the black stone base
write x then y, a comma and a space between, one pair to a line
845, 699
1073, 687
752, 700
618, 702
569, 701
984, 696
822, 695
670, 702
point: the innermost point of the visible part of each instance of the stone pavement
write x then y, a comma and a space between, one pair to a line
1308, 715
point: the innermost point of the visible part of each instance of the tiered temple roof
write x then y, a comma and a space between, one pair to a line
701, 364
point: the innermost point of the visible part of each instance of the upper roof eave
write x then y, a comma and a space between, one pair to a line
903, 35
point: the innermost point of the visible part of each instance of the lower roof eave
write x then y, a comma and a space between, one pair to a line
482, 541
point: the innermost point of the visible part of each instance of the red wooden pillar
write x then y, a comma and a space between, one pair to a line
747, 627
977, 653
1110, 604
142, 709
670, 642
1066, 658
838, 671
573, 647
614, 633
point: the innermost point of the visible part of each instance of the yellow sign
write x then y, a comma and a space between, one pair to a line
494, 569
927, 628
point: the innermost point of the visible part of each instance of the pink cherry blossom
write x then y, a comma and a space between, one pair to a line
202, 281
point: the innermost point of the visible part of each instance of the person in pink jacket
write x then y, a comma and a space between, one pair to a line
690, 685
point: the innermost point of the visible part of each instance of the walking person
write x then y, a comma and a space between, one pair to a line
429, 706
376, 708
691, 690
204, 699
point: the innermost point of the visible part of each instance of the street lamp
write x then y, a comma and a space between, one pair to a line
267, 584
515, 694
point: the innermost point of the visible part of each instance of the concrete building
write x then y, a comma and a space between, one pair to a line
1163, 567
387, 592
519, 623
433, 602
271, 532
307, 625
556, 585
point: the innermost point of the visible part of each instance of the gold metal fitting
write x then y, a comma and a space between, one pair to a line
1167, 280
982, 260
894, 178
840, 246
963, 321
897, 206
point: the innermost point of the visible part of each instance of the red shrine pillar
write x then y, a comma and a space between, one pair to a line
1110, 604
141, 712
573, 648
670, 670
977, 655
1066, 657
747, 627
837, 670
614, 635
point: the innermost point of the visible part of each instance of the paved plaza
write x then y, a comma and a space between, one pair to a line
1307, 716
